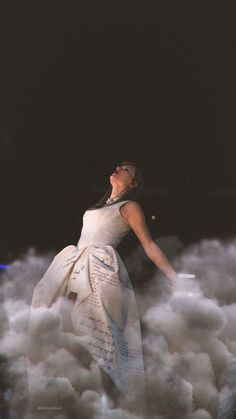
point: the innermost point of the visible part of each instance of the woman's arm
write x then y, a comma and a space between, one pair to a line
134, 216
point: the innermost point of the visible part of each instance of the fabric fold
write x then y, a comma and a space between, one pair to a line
54, 282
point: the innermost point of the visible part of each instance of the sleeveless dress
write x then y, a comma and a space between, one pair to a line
105, 313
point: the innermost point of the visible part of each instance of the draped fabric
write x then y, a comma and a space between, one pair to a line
105, 314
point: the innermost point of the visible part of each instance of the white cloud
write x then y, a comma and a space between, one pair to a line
188, 338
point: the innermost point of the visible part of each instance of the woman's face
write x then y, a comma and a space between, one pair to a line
123, 176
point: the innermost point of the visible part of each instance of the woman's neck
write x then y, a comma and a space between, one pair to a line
116, 194
115, 191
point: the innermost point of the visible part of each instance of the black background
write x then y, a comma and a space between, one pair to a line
87, 84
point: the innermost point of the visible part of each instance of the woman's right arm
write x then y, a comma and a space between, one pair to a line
134, 216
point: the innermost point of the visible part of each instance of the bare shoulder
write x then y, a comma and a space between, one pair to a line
131, 206
131, 209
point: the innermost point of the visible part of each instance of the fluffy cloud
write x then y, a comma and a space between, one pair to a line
189, 340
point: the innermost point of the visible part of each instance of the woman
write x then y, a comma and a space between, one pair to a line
95, 282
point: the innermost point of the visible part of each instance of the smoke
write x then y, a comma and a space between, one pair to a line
189, 341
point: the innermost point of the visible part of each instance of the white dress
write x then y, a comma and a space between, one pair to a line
105, 312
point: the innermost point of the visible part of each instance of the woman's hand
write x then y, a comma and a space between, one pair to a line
172, 282
173, 279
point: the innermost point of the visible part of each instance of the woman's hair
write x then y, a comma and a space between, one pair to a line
131, 194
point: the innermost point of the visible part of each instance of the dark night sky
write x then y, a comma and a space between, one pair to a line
87, 84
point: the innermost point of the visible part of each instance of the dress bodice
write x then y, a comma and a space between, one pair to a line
103, 226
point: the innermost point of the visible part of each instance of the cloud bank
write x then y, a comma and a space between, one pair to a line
189, 341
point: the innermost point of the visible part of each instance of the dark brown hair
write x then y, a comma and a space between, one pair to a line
133, 194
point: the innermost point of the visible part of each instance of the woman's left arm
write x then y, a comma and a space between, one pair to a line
134, 216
